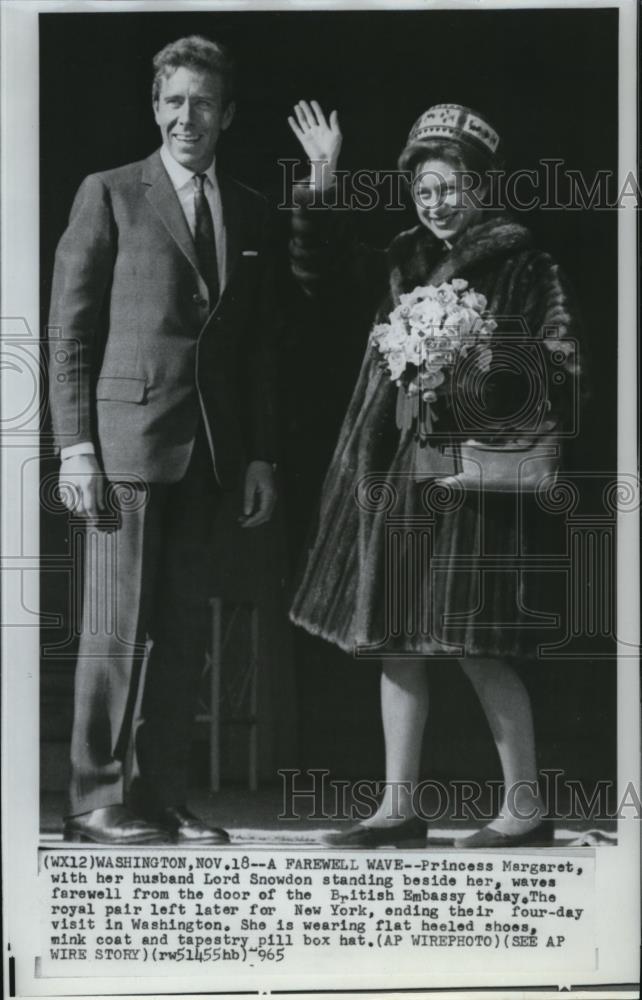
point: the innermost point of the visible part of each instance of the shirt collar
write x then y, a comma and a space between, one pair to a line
180, 175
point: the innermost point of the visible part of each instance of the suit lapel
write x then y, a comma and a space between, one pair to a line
162, 196
232, 219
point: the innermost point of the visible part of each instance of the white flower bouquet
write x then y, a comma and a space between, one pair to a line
429, 331
427, 335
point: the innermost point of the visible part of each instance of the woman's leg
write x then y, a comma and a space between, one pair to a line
404, 709
508, 710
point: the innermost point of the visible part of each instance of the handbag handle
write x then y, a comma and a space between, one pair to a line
513, 469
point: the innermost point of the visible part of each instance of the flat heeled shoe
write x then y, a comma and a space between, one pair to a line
541, 835
411, 833
186, 828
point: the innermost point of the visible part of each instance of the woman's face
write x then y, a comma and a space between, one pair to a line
440, 199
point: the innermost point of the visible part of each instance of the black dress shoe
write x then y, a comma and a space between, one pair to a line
410, 833
115, 825
185, 828
541, 835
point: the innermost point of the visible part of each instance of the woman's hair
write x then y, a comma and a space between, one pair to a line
194, 52
465, 158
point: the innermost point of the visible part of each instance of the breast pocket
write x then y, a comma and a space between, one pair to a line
121, 390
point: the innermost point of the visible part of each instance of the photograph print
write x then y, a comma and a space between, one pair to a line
325, 519
381, 296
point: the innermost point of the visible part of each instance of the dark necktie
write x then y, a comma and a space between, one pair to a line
204, 239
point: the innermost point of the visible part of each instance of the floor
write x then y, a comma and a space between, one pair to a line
253, 818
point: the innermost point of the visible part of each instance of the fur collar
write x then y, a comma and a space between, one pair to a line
417, 257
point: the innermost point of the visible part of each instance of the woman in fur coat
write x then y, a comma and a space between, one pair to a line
415, 556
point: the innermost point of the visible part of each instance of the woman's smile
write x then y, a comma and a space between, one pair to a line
437, 196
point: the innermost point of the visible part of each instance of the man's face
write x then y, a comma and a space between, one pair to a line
191, 115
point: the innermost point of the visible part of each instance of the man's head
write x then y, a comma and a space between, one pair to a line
192, 95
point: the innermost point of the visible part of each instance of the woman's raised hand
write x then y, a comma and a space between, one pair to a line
321, 139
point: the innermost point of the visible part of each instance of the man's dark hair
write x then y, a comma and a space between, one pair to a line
195, 52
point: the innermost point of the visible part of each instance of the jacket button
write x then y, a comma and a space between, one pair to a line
199, 300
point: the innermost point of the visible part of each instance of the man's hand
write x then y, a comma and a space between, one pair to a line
320, 139
81, 485
259, 495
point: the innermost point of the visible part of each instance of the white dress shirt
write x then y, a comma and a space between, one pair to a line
183, 182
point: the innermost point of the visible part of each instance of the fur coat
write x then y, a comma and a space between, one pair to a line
406, 567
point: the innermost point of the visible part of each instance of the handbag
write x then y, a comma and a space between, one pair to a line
507, 468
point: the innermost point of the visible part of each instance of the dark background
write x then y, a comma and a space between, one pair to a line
548, 81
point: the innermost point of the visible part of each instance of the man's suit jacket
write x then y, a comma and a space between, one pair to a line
137, 351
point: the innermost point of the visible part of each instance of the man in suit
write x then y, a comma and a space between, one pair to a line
161, 398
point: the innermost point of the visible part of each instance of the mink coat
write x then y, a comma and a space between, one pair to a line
406, 567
